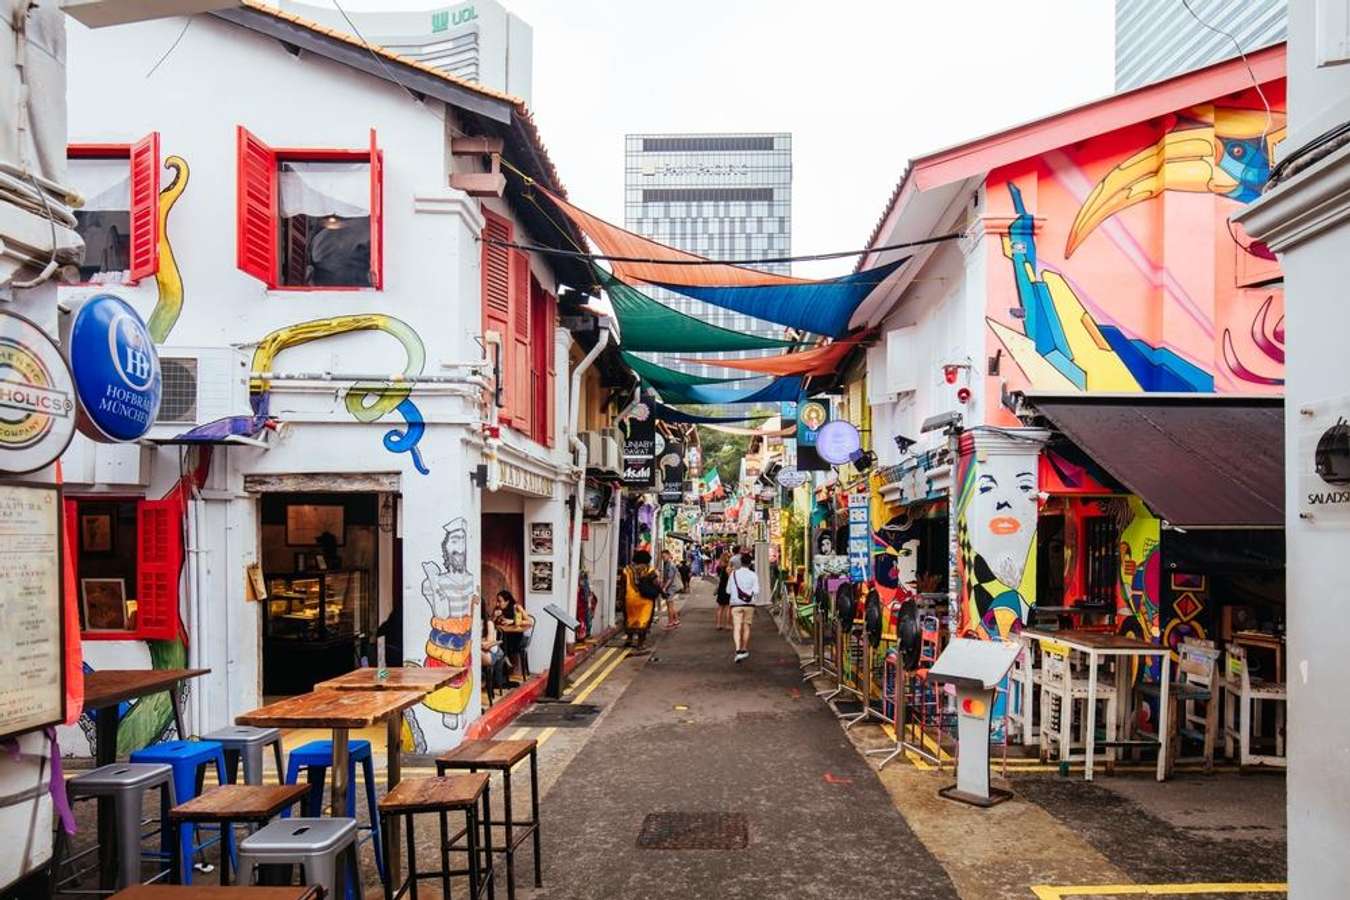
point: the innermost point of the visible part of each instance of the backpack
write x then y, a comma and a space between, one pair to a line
647, 586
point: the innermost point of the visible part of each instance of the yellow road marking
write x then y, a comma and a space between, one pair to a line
1053, 892
596, 682
918, 761
591, 669
545, 735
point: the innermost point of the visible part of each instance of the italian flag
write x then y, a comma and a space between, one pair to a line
712, 484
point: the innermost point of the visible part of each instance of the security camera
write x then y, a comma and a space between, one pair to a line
903, 443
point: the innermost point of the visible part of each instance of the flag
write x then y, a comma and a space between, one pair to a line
712, 485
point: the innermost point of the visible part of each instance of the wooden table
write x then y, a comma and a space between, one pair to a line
204, 892
104, 689
228, 804
343, 710
1094, 645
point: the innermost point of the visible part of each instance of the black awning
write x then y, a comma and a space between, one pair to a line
1196, 460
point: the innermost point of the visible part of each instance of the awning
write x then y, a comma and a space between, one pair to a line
1198, 461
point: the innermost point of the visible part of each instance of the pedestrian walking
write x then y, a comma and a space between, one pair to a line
744, 594
641, 591
686, 571
669, 578
722, 619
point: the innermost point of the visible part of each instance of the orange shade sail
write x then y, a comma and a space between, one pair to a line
820, 361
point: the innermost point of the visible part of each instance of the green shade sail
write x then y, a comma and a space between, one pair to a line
649, 326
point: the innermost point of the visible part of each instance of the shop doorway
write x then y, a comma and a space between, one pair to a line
329, 561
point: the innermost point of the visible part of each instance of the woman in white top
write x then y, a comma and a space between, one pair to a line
743, 585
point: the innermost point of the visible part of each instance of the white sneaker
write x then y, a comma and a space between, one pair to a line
742, 654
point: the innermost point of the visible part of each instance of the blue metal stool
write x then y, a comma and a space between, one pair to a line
315, 757
189, 760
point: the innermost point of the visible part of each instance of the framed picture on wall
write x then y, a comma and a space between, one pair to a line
105, 603
96, 532
541, 577
306, 521
541, 538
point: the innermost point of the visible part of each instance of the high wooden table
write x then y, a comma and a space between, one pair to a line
1095, 645
343, 710
104, 689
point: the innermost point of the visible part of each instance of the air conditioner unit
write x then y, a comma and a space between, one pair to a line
201, 384
602, 451
610, 454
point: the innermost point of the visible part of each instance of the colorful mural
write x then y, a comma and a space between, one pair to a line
996, 508
449, 591
1163, 293
168, 279
1140, 585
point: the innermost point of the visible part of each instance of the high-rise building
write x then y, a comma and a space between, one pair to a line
723, 196
479, 40
1156, 39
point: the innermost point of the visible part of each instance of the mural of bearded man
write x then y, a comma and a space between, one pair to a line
450, 593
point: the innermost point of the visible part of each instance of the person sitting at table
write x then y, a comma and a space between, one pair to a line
512, 619
493, 656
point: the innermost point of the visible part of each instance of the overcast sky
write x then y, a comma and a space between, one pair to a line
862, 85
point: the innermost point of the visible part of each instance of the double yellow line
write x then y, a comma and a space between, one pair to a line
594, 675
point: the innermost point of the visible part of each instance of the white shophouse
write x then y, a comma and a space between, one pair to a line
298, 218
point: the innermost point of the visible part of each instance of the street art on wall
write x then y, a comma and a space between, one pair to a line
1140, 584
449, 591
1154, 290
365, 401
168, 278
996, 507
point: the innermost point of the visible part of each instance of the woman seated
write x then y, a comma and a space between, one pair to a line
512, 620
493, 657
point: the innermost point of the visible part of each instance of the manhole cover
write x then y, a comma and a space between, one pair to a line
560, 715
694, 831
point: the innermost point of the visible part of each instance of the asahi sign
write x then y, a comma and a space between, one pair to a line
639, 446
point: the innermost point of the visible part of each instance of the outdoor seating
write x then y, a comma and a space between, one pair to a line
316, 757
247, 743
126, 784
1243, 696
502, 756
189, 761
1024, 683
1196, 684
1061, 693
229, 804
317, 846
467, 794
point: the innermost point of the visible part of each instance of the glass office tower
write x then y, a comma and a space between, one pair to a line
723, 196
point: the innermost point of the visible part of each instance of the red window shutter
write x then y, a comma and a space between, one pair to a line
71, 510
496, 289
258, 232
551, 403
159, 558
522, 395
145, 207
376, 214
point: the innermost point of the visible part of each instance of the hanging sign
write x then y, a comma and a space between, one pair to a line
837, 441
791, 478
37, 397
639, 446
116, 368
859, 538
811, 417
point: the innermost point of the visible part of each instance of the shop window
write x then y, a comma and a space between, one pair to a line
128, 557
119, 219
310, 218
1050, 561
1101, 556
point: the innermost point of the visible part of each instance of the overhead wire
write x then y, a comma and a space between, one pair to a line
1270, 119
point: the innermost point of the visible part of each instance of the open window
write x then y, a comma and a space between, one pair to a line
119, 220
128, 556
310, 218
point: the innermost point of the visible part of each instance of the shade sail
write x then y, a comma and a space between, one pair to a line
820, 361
1196, 460
775, 432
664, 413
668, 264
821, 307
659, 375
789, 388
650, 326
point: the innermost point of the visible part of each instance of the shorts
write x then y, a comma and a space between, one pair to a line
742, 615
723, 599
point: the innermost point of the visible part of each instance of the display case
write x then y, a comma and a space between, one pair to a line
314, 626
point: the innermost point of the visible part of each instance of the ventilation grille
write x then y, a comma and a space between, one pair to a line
179, 403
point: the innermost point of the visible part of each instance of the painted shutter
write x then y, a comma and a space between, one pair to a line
145, 207
550, 390
522, 394
159, 558
496, 266
376, 214
71, 510
256, 212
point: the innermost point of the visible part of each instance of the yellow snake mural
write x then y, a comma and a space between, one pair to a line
169, 306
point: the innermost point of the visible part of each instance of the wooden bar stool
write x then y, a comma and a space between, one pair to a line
443, 795
236, 803
501, 756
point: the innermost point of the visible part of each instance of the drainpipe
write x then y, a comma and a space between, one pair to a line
579, 448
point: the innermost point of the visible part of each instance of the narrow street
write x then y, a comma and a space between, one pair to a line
695, 733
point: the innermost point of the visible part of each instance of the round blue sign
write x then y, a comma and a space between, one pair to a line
116, 370
837, 441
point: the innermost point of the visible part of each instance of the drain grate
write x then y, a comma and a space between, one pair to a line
560, 715
694, 831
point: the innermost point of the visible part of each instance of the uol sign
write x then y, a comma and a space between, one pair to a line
116, 368
442, 19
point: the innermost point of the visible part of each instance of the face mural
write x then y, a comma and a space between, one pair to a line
996, 527
1123, 269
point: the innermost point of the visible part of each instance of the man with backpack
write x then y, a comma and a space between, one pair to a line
641, 591
743, 585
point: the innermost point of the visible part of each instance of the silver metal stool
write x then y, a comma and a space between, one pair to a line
126, 784
314, 845
247, 742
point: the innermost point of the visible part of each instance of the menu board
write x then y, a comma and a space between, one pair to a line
32, 689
